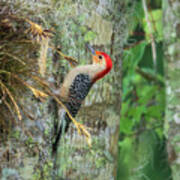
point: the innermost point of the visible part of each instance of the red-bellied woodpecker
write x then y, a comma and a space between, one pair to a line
77, 84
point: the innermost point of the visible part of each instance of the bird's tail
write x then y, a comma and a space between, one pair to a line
62, 130
56, 142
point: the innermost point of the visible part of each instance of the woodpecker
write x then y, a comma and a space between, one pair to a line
76, 86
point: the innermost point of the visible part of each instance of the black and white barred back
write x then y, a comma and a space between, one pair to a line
77, 93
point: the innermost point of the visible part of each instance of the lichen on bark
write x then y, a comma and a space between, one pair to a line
172, 57
29, 145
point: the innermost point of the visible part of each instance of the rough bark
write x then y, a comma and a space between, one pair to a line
26, 153
172, 57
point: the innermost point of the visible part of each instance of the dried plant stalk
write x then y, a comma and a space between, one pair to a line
12, 99
43, 56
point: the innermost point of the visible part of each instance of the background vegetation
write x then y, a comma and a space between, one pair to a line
142, 142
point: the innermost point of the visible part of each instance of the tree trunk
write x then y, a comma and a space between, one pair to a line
172, 55
26, 152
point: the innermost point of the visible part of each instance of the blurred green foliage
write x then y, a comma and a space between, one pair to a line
142, 153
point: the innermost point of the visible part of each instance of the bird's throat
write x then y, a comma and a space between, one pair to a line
101, 74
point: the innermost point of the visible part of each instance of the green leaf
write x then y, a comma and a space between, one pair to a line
155, 18
146, 93
133, 56
126, 125
137, 112
154, 111
125, 107
137, 16
126, 149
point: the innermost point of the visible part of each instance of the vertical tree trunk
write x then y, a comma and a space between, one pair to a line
26, 154
172, 55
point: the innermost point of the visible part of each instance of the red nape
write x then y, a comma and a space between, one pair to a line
107, 69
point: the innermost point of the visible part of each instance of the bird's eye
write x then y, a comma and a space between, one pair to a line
100, 57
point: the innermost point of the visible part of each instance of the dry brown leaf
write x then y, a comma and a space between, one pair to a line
41, 81
43, 56
13, 56
73, 62
37, 31
37, 92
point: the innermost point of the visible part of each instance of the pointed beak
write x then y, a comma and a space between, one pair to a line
91, 49
95, 60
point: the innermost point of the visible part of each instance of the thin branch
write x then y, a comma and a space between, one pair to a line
153, 44
149, 77
14, 57
12, 99
70, 59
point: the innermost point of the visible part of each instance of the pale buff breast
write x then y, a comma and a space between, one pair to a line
90, 70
